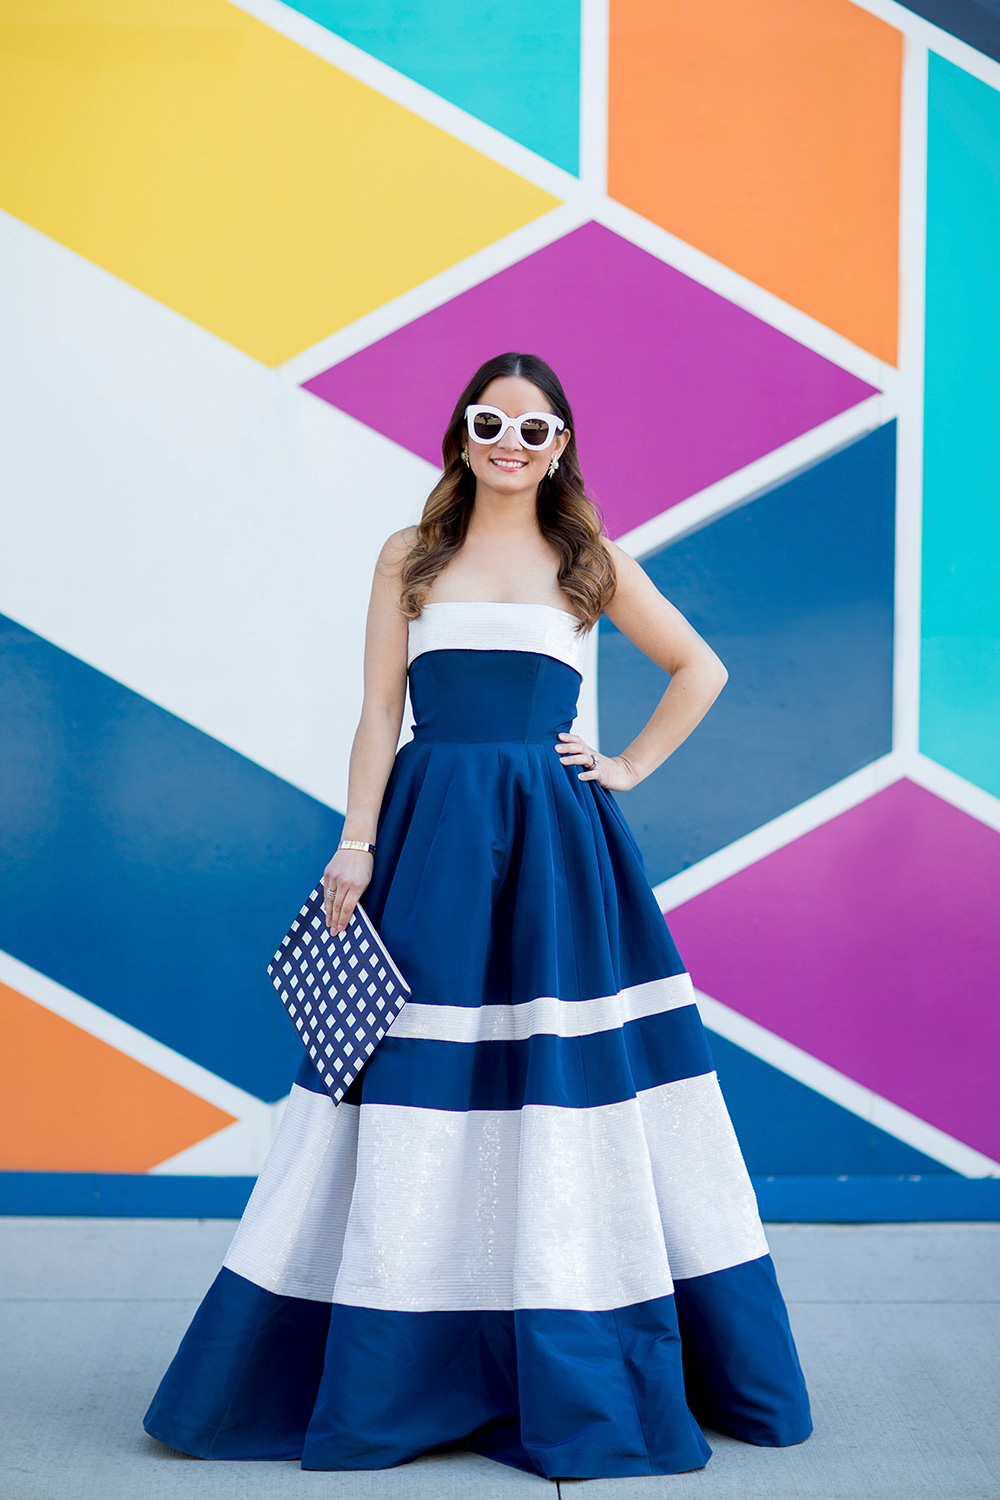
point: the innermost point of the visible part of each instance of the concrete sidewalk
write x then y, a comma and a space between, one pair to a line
898, 1328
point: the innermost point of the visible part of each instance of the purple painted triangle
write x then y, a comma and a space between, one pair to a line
672, 387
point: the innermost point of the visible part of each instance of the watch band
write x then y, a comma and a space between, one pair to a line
356, 844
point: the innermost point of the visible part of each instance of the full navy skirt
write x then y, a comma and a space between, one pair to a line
528, 1230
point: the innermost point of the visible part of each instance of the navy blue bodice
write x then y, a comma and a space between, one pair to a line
466, 695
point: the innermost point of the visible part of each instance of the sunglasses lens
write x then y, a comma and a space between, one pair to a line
486, 426
535, 432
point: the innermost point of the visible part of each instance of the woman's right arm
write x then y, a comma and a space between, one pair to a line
377, 736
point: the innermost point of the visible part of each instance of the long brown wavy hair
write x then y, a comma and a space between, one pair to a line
567, 517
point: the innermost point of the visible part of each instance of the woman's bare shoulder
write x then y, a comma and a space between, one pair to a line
619, 556
396, 548
627, 571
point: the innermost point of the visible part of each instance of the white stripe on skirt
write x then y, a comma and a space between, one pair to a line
423, 1210
545, 1016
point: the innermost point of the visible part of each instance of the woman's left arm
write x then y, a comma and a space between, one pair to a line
697, 677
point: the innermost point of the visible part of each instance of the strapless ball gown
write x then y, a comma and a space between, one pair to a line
528, 1230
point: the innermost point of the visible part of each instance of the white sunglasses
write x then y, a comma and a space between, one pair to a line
535, 429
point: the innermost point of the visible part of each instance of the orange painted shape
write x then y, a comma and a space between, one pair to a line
72, 1103
766, 133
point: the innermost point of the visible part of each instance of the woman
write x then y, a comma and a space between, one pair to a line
528, 1229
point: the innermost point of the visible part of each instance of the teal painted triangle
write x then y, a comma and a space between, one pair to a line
512, 64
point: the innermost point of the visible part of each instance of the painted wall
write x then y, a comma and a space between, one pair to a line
250, 253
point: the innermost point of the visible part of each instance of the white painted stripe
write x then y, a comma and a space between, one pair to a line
217, 632
419, 1210
550, 227
926, 34
754, 479
437, 290
588, 192
237, 1150
594, 38
545, 1016
826, 805
951, 787
133, 1042
737, 289
413, 96
834, 1085
782, 830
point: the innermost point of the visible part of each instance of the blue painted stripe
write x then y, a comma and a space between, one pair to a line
974, 21
575, 1072
801, 1132
195, 862
795, 592
795, 1200
123, 1195
876, 1200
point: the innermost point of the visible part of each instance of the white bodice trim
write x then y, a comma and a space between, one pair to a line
485, 625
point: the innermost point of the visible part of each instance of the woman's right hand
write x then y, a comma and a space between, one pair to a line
344, 880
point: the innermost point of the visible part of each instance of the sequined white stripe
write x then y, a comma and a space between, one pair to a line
291, 1235
545, 1016
490, 626
498, 1209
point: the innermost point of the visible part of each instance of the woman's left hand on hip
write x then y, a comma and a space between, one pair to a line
611, 771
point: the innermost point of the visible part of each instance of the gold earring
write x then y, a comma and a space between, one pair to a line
553, 466
465, 458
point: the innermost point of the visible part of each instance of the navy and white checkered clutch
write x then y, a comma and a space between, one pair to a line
342, 991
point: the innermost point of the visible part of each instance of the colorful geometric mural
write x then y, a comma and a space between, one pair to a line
845, 940
960, 586
233, 175
694, 387
766, 132
490, 62
971, 21
188, 850
55, 1077
795, 590
251, 254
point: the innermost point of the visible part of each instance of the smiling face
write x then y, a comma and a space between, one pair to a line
507, 466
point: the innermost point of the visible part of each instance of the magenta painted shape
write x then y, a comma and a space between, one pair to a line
672, 387
872, 942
